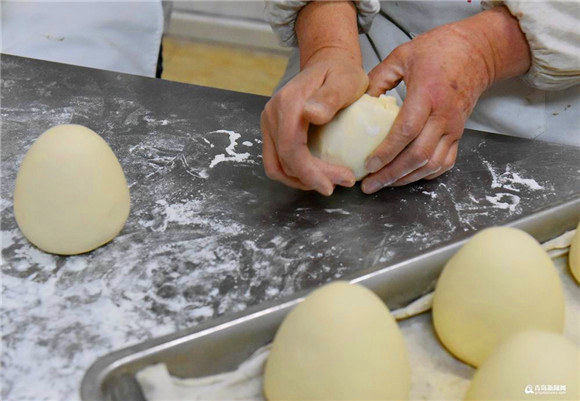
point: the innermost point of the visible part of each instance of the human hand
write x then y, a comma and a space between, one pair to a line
445, 71
329, 81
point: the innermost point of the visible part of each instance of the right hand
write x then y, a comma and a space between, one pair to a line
330, 80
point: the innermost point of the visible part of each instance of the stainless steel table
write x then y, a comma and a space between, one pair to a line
209, 234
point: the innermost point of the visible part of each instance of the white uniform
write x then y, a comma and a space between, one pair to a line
111, 35
545, 104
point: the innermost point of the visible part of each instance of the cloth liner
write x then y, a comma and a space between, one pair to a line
436, 375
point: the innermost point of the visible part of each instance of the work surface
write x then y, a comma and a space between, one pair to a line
208, 233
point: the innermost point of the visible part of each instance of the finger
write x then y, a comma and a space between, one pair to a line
272, 166
334, 94
449, 161
435, 166
294, 157
305, 168
296, 160
407, 126
386, 75
339, 175
416, 156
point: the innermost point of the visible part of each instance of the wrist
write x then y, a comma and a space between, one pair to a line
333, 55
330, 28
498, 39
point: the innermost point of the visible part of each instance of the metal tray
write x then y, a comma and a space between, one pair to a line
222, 344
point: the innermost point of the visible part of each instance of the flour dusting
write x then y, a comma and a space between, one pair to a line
433, 195
510, 179
337, 211
231, 154
504, 200
202, 242
188, 213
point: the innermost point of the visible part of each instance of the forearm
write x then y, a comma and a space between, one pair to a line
328, 25
501, 42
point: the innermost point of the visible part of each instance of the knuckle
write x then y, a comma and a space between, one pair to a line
331, 99
374, 73
406, 131
421, 154
440, 120
281, 97
277, 99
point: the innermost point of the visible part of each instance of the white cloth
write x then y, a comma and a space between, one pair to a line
435, 374
552, 29
110, 35
513, 107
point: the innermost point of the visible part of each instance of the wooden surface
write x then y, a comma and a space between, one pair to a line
221, 66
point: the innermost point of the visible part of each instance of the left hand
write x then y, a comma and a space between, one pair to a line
445, 71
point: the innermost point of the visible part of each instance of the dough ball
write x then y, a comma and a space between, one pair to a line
501, 282
521, 365
352, 135
71, 195
340, 343
574, 255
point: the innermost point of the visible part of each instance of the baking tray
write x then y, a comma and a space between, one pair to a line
222, 344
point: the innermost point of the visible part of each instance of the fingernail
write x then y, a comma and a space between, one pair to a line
347, 182
326, 191
371, 186
374, 165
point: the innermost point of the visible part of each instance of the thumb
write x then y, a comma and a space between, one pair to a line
333, 95
386, 75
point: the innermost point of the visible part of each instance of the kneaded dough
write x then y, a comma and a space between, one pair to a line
574, 255
499, 283
71, 195
340, 343
531, 365
354, 133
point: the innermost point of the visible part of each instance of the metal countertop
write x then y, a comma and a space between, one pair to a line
208, 233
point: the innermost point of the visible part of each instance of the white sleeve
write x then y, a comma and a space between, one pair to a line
552, 29
282, 14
